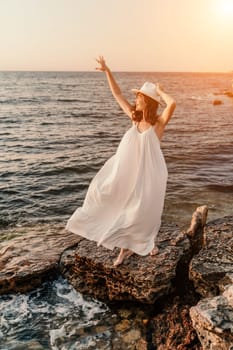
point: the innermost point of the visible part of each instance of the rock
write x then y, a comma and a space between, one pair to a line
211, 271
141, 345
195, 231
228, 93
33, 257
23, 345
226, 280
217, 102
122, 326
132, 336
215, 260
213, 320
171, 327
90, 269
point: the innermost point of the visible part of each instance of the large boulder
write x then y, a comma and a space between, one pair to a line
211, 271
32, 256
213, 320
215, 260
90, 269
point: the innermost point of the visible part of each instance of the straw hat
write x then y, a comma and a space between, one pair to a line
148, 89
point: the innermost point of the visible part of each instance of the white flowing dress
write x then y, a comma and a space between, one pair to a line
124, 202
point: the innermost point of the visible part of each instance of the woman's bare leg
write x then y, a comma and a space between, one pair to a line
124, 253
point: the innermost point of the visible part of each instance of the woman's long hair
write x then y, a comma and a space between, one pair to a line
150, 111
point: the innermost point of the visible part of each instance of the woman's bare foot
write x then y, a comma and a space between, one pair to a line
154, 251
124, 253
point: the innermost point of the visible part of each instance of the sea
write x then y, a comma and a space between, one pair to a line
57, 129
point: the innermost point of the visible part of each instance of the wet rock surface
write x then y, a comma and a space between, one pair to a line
90, 269
32, 256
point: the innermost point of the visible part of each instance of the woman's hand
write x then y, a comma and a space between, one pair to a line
159, 89
102, 63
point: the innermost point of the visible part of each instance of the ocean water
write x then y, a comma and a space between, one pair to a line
56, 131
55, 317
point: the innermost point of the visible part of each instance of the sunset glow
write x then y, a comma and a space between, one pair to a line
154, 35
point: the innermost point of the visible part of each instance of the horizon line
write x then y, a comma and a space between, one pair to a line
113, 71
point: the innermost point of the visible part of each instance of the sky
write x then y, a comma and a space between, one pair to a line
132, 35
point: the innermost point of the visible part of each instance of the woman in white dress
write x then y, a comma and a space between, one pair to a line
124, 202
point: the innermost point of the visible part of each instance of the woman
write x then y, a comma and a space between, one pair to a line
124, 202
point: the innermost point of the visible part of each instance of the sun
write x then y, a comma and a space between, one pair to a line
225, 8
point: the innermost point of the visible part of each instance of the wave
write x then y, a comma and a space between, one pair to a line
9, 101
5, 222
39, 315
71, 100
79, 169
36, 100
64, 189
220, 188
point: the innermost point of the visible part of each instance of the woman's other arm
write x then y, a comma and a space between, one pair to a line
167, 112
116, 91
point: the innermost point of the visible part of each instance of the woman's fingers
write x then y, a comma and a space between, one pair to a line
99, 61
102, 63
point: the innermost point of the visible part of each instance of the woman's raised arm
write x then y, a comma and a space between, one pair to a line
170, 105
167, 112
116, 91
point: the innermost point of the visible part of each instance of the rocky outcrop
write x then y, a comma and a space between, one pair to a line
211, 271
213, 320
196, 229
39, 253
215, 260
32, 256
90, 269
